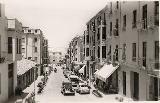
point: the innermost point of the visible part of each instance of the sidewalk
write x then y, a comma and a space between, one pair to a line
26, 93
117, 97
114, 96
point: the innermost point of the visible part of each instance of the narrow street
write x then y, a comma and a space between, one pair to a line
52, 92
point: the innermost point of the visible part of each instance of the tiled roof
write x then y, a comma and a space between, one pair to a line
24, 65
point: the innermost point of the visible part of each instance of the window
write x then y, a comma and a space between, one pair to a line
109, 53
0, 10
23, 40
20, 47
124, 83
116, 52
98, 34
110, 28
144, 16
87, 39
144, 53
124, 22
87, 27
17, 44
116, 28
156, 54
9, 45
87, 52
104, 33
36, 31
124, 52
35, 39
0, 83
111, 8
10, 70
156, 22
98, 52
84, 40
134, 25
103, 51
35, 50
117, 5
29, 31
0, 46
23, 50
133, 51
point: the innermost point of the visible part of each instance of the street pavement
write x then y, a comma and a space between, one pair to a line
52, 92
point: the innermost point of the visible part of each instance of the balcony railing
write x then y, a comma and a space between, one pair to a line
103, 22
144, 23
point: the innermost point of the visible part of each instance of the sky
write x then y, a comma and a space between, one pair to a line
60, 20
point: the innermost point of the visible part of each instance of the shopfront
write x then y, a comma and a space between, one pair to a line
107, 78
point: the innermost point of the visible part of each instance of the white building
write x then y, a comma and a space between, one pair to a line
32, 45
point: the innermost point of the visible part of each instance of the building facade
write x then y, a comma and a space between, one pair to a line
125, 37
127, 33
32, 46
45, 55
3, 56
14, 35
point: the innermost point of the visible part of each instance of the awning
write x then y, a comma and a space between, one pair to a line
82, 69
24, 65
76, 68
105, 71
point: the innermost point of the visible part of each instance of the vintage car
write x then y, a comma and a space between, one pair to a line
66, 73
74, 80
83, 88
67, 89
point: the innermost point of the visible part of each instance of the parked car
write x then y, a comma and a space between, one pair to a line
83, 88
66, 73
67, 89
96, 93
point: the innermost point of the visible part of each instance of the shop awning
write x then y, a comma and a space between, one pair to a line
24, 65
105, 71
82, 69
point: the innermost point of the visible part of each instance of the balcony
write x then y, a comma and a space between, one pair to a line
153, 67
2, 59
92, 58
103, 22
115, 32
134, 25
156, 20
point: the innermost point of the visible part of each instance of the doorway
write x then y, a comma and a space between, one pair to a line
10, 80
136, 86
124, 83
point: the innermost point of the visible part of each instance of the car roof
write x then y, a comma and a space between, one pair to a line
73, 76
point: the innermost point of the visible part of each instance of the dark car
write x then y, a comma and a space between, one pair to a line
96, 93
67, 89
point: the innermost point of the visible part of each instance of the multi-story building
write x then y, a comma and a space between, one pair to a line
75, 54
139, 49
86, 53
3, 56
14, 34
45, 55
32, 46
96, 32
126, 48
